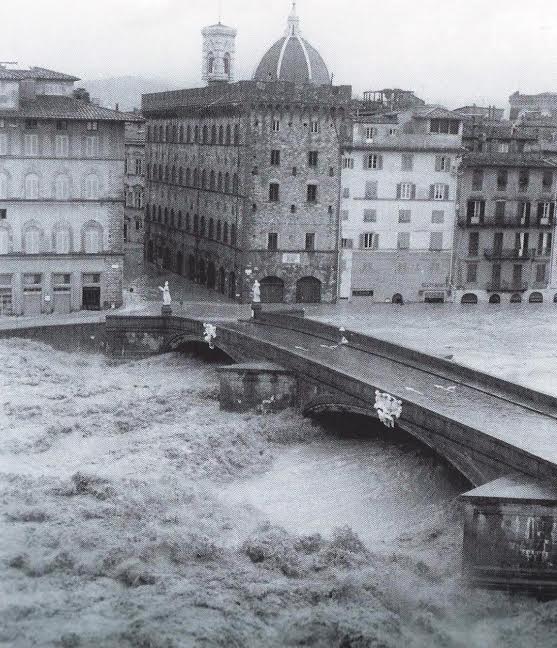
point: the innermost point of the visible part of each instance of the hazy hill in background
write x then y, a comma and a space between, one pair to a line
125, 91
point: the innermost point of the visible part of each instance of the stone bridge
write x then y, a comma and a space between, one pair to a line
502, 437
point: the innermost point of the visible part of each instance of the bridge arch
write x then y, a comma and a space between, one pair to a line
185, 340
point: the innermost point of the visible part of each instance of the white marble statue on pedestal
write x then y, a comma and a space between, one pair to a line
256, 292
166, 299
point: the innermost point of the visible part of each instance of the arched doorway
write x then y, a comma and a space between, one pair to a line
469, 298
272, 290
536, 298
397, 299
191, 267
150, 251
202, 276
495, 299
516, 298
211, 275
232, 285
308, 290
179, 262
222, 281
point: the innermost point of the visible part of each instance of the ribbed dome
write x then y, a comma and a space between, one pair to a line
292, 58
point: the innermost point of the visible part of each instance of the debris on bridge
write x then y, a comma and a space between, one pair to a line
388, 408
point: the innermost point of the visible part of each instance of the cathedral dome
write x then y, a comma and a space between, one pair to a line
292, 58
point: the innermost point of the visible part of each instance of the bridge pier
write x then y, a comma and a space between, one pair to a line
259, 386
510, 535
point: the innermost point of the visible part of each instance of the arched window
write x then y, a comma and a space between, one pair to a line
188, 177
211, 232
210, 63
536, 298
181, 133
4, 240
469, 298
221, 134
233, 234
219, 182
171, 218
235, 184
167, 133
225, 233
196, 224
3, 186
179, 219
61, 236
203, 179
227, 64
236, 134
188, 222
174, 133
180, 176
166, 173
166, 215
495, 299
205, 134
32, 240
62, 187
212, 180
91, 187
31, 186
173, 175
160, 214
196, 134
228, 134
188, 134
202, 226
219, 230
226, 182
195, 178
213, 134
92, 238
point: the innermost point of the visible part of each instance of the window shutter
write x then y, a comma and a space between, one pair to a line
366, 161
446, 192
528, 206
438, 163
431, 192
552, 209
398, 191
540, 210
482, 208
379, 162
413, 194
361, 241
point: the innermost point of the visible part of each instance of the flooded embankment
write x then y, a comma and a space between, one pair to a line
135, 513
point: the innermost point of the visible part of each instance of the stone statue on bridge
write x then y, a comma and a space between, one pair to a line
256, 292
166, 299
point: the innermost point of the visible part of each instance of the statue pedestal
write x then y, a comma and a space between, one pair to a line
166, 310
256, 309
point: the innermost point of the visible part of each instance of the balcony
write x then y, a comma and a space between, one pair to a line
507, 286
507, 223
509, 253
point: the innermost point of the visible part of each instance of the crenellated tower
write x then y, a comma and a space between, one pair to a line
219, 46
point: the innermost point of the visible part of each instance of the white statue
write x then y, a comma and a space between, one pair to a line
256, 292
388, 408
209, 334
166, 299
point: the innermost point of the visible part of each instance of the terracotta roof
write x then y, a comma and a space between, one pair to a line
58, 107
434, 112
508, 160
7, 74
408, 142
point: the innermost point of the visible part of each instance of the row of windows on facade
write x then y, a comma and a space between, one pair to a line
56, 279
375, 161
523, 178
274, 194
133, 166
404, 216
517, 281
61, 124
34, 239
61, 190
193, 178
89, 146
273, 241
370, 241
224, 136
217, 230
476, 212
521, 247
404, 191
134, 198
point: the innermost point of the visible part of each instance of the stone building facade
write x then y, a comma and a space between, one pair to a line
398, 206
506, 229
61, 197
134, 183
243, 178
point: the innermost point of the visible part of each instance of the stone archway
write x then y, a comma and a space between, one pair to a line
469, 298
308, 290
272, 290
495, 299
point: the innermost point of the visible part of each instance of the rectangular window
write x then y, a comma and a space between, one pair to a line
272, 241
3, 214
403, 241
371, 190
344, 214
310, 242
444, 126
404, 216
31, 124
347, 243
3, 144
274, 192
92, 125
312, 158
61, 146
370, 241
547, 180
407, 162
61, 124
314, 126
438, 216
502, 179
523, 179
440, 192
371, 132
473, 244
471, 273
275, 158
92, 146
442, 163
546, 211
477, 180
475, 212
138, 167
373, 161
346, 192
436, 241
524, 213
540, 272
276, 125
406, 191
500, 211
503, 147
312, 193
31, 144
347, 163
370, 215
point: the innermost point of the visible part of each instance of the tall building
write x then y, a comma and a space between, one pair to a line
398, 205
506, 229
543, 105
134, 144
243, 178
61, 196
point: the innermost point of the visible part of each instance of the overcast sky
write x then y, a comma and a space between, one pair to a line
452, 52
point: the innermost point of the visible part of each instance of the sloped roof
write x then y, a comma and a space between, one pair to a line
434, 112
508, 160
58, 107
42, 74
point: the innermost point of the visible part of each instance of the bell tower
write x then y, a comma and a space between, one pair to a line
219, 46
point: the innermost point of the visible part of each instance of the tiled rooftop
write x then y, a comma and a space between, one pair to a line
57, 107
11, 74
528, 160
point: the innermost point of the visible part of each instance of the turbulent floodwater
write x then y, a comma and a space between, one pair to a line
135, 513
